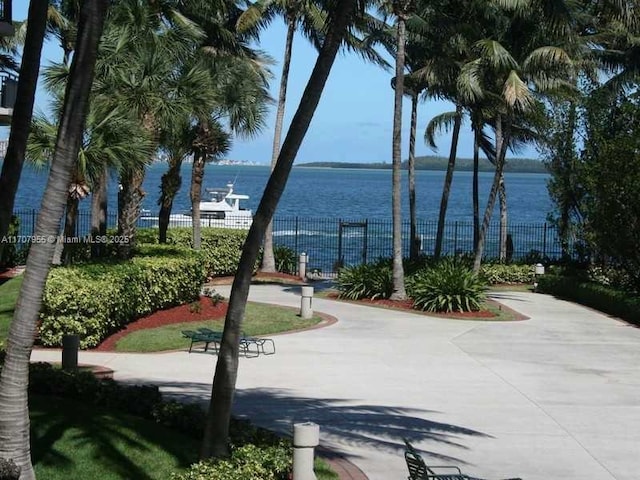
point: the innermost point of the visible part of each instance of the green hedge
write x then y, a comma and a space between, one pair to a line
614, 302
500, 273
93, 300
220, 247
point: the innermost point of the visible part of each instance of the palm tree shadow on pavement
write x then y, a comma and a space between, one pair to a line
342, 422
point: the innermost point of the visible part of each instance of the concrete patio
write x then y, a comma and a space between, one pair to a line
553, 397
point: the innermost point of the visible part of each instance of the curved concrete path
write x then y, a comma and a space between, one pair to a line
555, 397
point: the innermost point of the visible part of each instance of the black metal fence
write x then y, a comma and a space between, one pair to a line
332, 242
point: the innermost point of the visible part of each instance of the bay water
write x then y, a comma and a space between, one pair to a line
331, 192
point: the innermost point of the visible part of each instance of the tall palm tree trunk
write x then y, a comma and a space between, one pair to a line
22, 112
502, 139
197, 175
448, 179
215, 442
70, 227
502, 196
414, 246
129, 202
14, 379
99, 205
398, 291
170, 185
476, 187
268, 258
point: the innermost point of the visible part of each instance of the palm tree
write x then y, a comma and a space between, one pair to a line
140, 70
511, 80
22, 112
296, 13
14, 378
309, 17
112, 140
402, 9
215, 441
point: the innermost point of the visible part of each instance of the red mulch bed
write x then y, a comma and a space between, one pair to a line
179, 314
408, 305
262, 277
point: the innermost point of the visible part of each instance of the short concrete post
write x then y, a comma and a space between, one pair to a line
306, 436
302, 265
70, 346
306, 302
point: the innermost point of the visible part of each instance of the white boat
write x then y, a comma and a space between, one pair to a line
222, 210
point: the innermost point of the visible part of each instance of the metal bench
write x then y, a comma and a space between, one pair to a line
202, 337
418, 469
250, 346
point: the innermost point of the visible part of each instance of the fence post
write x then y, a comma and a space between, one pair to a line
365, 242
455, 238
544, 240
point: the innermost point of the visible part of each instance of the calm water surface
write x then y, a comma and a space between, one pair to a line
333, 193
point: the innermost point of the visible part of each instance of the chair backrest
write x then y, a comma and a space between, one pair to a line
417, 468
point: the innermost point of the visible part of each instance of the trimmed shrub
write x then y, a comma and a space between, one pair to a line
221, 247
614, 302
449, 286
495, 273
246, 462
371, 280
95, 299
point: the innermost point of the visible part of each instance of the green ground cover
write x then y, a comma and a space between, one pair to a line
8, 296
260, 319
73, 440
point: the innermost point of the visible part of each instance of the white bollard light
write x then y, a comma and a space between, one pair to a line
306, 302
306, 436
302, 265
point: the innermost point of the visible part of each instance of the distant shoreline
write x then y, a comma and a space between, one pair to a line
516, 165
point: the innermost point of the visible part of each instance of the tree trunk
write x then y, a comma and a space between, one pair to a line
99, 207
398, 292
14, 379
170, 185
415, 245
502, 139
70, 228
215, 443
448, 179
22, 113
129, 202
475, 187
268, 257
502, 196
197, 174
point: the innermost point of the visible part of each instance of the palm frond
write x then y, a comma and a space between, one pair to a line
438, 124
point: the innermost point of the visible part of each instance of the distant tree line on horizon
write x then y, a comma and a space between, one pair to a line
430, 162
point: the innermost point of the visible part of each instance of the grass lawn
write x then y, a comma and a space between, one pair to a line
71, 440
260, 319
8, 297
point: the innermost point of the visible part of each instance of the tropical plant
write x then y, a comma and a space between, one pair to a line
512, 73
369, 280
340, 16
402, 10
447, 287
22, 113
14, 379
309, 18
286, 259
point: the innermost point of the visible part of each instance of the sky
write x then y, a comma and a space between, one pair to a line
354, 120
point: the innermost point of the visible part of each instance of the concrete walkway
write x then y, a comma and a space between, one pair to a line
555, 397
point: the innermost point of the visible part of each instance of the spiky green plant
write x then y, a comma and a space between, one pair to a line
447, 287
